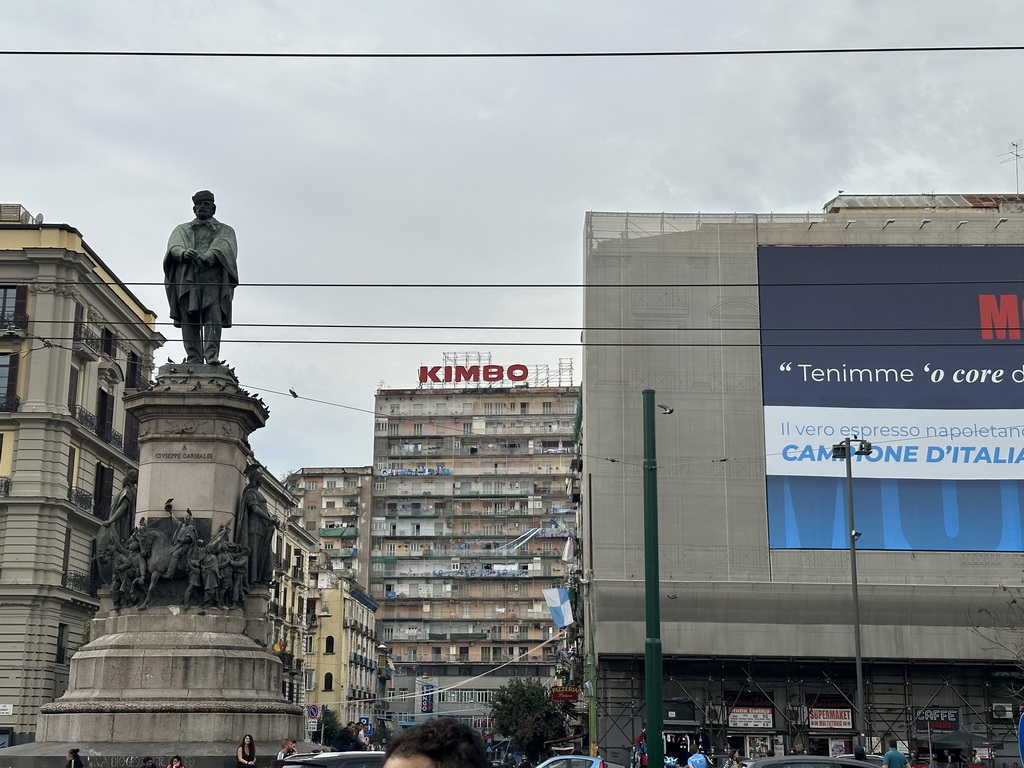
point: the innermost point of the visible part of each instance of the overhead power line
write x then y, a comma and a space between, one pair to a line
520, 54
419, 286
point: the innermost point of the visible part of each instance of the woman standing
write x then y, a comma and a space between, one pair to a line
74, 761
245, 755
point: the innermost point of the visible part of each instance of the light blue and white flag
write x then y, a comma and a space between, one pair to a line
558, 604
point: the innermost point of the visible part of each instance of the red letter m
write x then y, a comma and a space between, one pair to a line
999, 318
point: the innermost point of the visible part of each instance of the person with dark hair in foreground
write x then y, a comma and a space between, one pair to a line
442, 742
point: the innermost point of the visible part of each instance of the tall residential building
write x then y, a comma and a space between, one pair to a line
471, 513
294, 549
73, 339
340, 650
891, 322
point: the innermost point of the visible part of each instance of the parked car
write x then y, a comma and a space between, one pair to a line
724, 761
334, 760
872, 759
809, 761
577, 761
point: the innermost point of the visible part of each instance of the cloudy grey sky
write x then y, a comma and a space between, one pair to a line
424, 171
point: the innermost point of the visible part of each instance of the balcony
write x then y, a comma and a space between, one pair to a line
5, 486
110, 436
9, 403
339, 533
86, 342
86, 418
82, 499
78, 582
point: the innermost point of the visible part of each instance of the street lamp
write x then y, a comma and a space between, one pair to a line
843, 451
652, 588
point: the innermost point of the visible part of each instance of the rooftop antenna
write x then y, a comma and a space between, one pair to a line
1015, 155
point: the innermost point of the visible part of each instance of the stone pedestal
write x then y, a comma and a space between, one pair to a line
160, 673
164, 674
194, 427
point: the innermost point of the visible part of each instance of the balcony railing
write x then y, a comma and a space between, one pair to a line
78, 582
14, 321
86, 418
86, 340
81, 498
9, 403
5, 486
110, 436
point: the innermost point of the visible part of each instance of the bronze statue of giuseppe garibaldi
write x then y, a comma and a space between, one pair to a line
200, 275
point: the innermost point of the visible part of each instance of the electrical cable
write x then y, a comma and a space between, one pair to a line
520, 54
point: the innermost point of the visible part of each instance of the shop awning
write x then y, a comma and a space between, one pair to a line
961, 740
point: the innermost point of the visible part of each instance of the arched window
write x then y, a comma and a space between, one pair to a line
329, 644
328, 682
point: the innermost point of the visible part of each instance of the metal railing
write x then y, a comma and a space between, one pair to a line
78, 582
87, 337
110, 436
81, 498
9, 403
5, 486
84, 417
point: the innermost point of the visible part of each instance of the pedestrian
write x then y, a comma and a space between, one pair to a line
859, 753
176, 762
441, 742
638, 757
345, 740
894, 758
288, 749
361, 737
74, 761
147, 762
697, 760
245, 755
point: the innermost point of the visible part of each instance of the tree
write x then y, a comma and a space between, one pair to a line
523, 711
330, 724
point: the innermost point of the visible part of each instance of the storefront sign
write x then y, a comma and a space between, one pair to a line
936, 719
565, 693
830, 718
750, 717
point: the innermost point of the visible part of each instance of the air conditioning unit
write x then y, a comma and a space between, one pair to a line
1002, 711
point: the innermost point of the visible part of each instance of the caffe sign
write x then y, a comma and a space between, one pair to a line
936, 719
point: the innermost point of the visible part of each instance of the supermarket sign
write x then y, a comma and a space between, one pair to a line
830, 718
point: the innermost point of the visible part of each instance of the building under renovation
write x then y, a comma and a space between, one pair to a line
890, 325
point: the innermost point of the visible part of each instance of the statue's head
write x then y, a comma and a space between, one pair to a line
203, 205
131, 476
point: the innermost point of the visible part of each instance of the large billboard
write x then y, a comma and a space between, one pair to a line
916, 349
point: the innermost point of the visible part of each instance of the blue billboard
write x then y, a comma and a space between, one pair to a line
916, 349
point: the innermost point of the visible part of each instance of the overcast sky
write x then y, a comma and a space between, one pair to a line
420, 171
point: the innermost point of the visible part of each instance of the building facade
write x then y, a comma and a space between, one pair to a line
340, 652
74, 339
888, 324
471, 514
294, 551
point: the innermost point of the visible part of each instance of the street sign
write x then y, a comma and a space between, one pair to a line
369, 726
312, 711
311, 726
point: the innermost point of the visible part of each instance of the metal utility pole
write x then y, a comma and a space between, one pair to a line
652, 589
843, 451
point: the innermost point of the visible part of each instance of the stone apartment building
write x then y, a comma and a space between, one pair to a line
340, 650
73, 339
